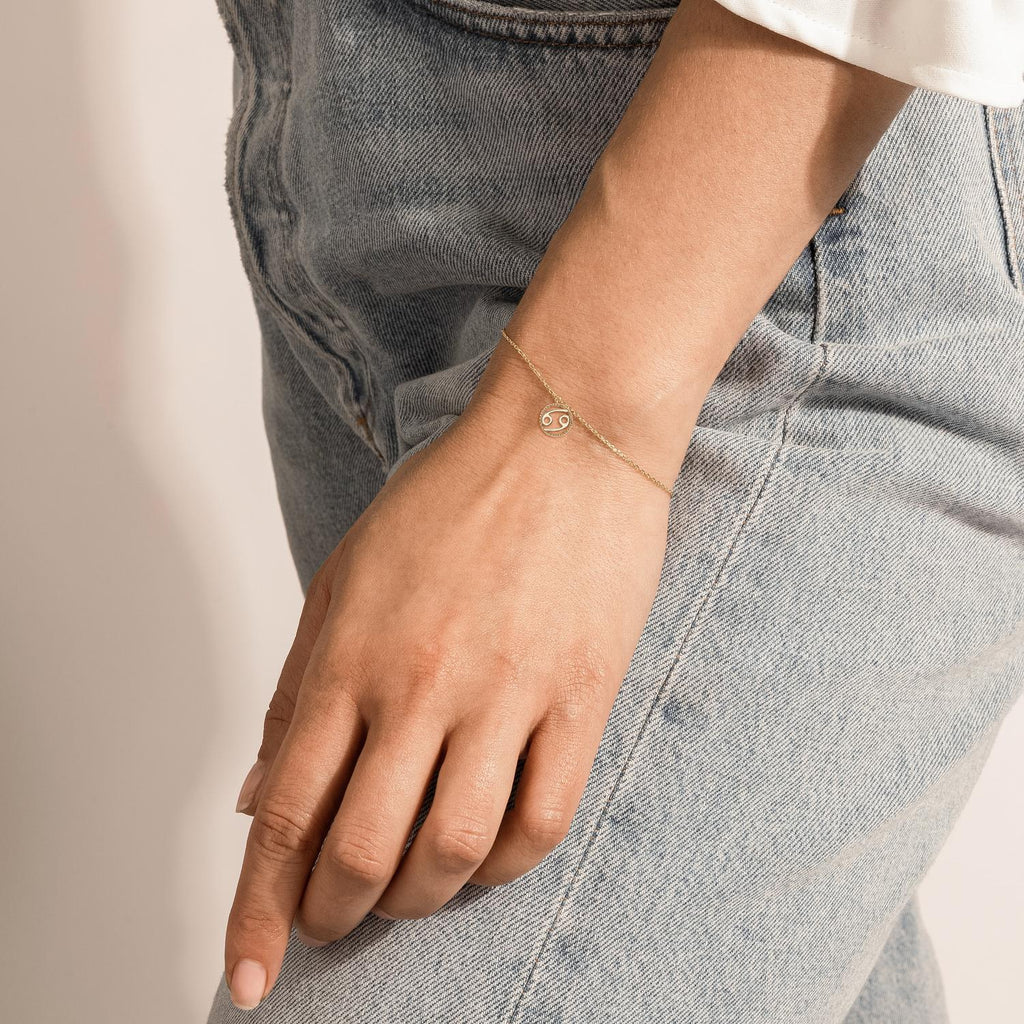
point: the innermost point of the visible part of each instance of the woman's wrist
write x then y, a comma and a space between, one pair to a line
634, 367
509, 399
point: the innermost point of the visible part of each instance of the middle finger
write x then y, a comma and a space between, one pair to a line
472, 792
366, 840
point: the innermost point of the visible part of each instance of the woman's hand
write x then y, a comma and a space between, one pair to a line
484, 608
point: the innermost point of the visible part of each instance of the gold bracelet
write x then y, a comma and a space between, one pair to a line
557, 418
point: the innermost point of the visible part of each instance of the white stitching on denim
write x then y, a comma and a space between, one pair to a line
516, 30
738, 532
1010, 236
527, 16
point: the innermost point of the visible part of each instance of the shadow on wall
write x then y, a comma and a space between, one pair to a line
106, 659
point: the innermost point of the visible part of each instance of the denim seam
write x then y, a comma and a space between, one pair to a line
584, 18
818, 291
295, 318
999, 179
738, 530
463, 20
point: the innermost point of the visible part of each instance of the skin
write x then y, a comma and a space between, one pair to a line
486, 605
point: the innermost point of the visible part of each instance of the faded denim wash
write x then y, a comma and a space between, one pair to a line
838, 629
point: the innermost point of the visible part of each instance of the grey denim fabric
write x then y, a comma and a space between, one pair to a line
838, 629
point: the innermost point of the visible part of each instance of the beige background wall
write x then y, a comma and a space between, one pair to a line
146, 591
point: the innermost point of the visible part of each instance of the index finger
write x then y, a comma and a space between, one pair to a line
298, 802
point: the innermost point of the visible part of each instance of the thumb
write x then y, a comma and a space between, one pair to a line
282, 704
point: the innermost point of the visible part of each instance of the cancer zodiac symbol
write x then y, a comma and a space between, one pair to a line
555, 420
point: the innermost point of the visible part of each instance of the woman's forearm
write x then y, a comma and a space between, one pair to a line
732, 151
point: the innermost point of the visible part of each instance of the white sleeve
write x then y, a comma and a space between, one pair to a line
968, 48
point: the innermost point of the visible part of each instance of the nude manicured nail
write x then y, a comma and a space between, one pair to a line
247, 793
380, 913
308, 940
248, 983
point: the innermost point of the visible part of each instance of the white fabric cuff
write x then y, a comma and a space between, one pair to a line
968, 48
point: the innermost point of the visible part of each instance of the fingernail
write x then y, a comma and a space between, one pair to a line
308, 940
248, 983
380, 913
247, 793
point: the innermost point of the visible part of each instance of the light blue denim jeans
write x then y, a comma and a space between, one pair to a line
838, 629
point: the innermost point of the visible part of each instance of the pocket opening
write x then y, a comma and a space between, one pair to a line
636, 24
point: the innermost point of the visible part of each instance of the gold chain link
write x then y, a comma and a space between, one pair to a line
576, 416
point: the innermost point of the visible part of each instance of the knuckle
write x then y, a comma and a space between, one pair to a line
282, 833
428, 666
579, 693
589, 667
571, 711
358, 856
459, 846
508, 668
511, 685
319, 588
332, 682
253, 930
281, 708
327, 697
545, 828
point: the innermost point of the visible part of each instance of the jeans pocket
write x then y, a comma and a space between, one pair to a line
583, 23
425, 407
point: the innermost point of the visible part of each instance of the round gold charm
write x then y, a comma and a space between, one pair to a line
555, 420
